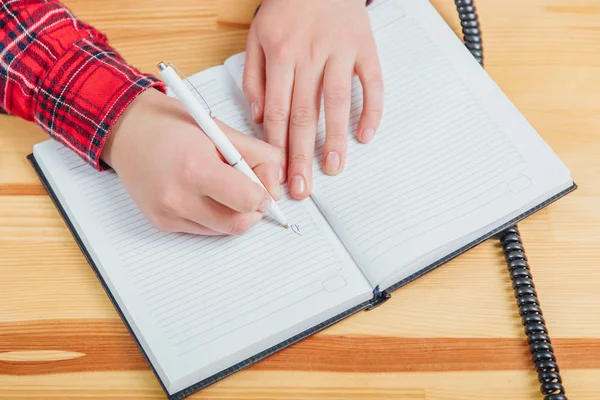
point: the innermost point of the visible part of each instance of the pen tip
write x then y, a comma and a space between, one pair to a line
286, 226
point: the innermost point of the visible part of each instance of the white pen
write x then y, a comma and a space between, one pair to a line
212, 130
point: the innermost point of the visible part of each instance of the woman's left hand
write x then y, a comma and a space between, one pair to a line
298, 50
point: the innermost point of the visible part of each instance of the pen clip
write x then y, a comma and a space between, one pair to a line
193, 87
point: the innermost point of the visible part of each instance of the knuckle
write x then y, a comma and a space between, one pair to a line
189, 170
337, 95
275, 115
239, 225
317, 51
252, 200
249, 82
374, 80
336, 137
298, 158
280, 52
374, 113
302, 117
168, 202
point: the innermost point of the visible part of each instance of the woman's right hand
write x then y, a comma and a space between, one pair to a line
176, 176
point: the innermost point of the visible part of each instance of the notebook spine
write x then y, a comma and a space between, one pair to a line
379, 297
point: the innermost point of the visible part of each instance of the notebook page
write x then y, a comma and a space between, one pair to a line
201, 304
451, 156
235, 67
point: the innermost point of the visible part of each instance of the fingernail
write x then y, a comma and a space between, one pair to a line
265, 205
298, 184
254, 108
368, 134
332, 162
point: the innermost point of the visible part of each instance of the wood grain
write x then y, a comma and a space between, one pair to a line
453, 334
21, 189
59, 346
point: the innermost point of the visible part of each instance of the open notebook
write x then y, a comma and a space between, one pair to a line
452, 164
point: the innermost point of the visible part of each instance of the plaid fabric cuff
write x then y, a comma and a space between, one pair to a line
83, 95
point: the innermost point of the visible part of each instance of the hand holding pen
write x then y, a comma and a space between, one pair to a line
216, 135
175, 175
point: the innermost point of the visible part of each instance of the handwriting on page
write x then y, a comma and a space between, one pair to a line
296, 229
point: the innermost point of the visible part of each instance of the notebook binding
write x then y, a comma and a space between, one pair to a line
379, 297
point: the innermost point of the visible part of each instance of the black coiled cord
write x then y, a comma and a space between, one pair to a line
469, 20
531, 316
514, 252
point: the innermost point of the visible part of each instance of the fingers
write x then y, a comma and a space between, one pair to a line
202, 216
303, 129
337, 88
217, 200
169, 219
219, 218
187, 226
263, 158
253, 83
278, 94
269, 176
255, 151
370, 75
235, 190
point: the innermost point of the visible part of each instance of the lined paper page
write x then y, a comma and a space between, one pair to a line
445, 162
204, 303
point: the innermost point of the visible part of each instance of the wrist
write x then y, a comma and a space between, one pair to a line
127, 124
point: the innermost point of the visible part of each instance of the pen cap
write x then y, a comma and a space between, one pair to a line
197, 111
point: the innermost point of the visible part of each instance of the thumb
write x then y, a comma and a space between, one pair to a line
262, 157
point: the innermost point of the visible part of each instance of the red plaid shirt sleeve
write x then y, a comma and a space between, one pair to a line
62, 74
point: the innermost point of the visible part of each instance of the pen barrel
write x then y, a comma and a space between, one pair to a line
202, 118
212, 130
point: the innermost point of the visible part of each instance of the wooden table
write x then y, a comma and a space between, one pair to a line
453, 334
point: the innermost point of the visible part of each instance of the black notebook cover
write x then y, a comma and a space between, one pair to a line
376, 301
